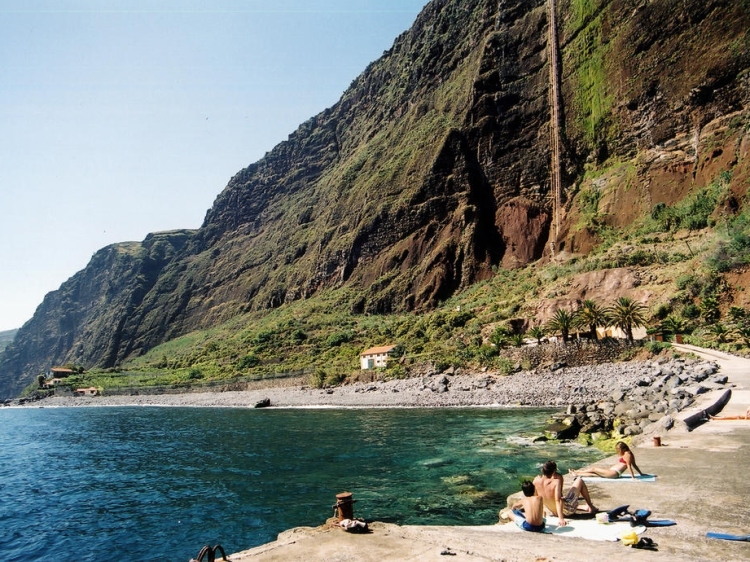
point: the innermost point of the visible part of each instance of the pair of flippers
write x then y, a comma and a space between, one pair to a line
640, 517
637, 517
727, 537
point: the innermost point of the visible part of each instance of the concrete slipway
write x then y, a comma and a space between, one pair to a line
702, 484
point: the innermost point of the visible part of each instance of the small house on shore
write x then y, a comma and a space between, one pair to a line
375, 356
639, 333
90, 391
51, 383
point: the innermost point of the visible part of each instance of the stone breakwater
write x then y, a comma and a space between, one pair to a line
660, 390
592, 397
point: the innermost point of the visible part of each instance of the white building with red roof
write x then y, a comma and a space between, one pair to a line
375, 356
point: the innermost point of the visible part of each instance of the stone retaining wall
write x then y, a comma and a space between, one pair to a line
575, 353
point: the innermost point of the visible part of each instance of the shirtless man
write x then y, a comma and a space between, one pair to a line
532, 516
549, 486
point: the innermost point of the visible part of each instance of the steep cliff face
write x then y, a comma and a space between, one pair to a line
656, 103
82, 322
6, 338
434, 168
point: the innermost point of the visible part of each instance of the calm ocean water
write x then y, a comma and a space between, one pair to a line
141, 483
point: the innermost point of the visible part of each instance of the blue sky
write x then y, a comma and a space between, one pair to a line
120, 118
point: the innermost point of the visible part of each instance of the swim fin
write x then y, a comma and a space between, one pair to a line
618, 512
728, 537
659, 523
640, 517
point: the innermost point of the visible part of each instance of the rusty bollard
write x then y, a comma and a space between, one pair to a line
657, 441
344, 506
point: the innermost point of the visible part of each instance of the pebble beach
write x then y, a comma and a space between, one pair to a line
540, 388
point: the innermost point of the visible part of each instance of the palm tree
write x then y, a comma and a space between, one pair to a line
672, 325
627, 314
516, 340
743, 331
537, 332
561, 322
591, 316
720, 332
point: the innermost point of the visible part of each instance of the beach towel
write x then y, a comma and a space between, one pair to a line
588, 529
622, 478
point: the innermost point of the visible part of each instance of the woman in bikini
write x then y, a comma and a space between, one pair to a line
625, 462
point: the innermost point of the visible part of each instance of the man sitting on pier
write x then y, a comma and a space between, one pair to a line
550, 485
532, 516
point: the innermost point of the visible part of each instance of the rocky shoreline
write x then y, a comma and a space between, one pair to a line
627, 397
663, 389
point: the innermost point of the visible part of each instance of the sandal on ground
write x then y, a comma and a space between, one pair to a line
645, 543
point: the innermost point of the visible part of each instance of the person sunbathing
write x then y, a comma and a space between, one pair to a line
737, 417
625, 462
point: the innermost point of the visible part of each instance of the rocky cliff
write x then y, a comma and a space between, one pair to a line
7, 337
82, 322
433, 169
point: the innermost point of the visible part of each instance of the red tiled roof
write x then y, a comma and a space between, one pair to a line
378, 350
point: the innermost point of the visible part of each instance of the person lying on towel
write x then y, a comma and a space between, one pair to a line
625, 462
532, 516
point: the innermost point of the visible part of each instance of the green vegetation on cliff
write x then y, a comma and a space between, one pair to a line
320, 339
590, 54
417, 209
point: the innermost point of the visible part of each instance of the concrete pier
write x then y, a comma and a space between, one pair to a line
702, 484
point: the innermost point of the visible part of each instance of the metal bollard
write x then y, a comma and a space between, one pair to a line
344, 505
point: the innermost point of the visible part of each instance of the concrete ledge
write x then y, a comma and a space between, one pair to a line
697, 470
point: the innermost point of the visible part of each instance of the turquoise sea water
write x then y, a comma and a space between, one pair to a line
141, 483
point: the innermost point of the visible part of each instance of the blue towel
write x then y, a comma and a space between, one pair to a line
622, 478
